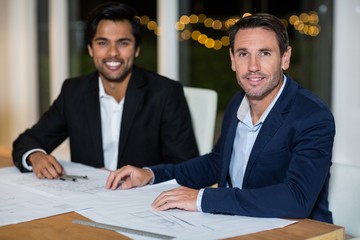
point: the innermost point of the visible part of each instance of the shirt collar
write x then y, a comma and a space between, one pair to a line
102, 92
244, 108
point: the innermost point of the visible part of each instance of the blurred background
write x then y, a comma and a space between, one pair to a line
205, 65
43, 42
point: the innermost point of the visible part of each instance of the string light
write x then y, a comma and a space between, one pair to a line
305, 23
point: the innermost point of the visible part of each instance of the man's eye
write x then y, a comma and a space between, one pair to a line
101, 43
242, 54
124, 43
265, 53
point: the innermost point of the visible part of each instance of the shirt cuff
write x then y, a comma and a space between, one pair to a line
153, 175
199, 198
25, 156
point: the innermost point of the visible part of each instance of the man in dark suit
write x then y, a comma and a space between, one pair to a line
116, 116
274, 153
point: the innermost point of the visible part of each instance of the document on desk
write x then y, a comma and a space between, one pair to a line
24, 197
95, 182
20, 205
131, 208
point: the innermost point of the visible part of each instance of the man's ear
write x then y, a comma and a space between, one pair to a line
137, 52
90, 50
285, 61
232, 60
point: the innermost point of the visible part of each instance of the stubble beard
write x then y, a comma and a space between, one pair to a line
118, 78
259, 92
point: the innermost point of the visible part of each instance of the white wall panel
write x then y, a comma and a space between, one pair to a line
19, 107
346, 81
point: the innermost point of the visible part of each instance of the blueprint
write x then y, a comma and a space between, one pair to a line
24, 198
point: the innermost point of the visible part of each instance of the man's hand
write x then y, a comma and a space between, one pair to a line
128, 177
45, 166
182, 198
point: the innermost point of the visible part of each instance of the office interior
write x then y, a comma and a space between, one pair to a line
42, 43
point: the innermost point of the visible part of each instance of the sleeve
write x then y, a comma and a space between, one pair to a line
195, 173
25, 156
48, 133
199, 199
305, 181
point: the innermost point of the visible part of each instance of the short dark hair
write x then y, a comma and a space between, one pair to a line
116, 12
262, 20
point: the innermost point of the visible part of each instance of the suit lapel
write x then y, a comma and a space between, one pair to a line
272, 123
133, 98
229, 141
270, 127
228, 146
93, 115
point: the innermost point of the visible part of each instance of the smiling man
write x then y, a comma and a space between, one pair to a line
118, 115
274, 153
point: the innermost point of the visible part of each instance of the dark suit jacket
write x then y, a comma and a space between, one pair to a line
156, 124
287, 174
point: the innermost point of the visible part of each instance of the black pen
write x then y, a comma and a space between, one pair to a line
66, 178
73, 178
76, 176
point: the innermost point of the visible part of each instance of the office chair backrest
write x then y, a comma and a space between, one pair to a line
344, 197
203, 107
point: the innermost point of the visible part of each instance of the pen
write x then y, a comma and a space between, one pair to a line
73, 178
76, 176
66, 178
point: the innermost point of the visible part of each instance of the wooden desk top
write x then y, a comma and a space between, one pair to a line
60, 227
5, 158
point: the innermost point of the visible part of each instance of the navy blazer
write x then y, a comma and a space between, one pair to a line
287, 174
155, 128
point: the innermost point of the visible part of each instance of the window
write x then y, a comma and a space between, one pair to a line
201, 66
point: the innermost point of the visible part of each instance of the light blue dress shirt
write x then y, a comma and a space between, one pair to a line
246, 134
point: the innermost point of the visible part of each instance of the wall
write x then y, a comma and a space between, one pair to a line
4, 75
346, 81
18, 69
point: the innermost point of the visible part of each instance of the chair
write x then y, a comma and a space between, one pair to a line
344, 197
203, 107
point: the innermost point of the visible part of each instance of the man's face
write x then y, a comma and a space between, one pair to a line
257, 63
113, 50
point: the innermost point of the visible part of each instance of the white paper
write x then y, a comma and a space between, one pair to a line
24, 198
132, 208
19, 205
56, 187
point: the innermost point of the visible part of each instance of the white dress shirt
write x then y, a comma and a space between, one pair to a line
111, 113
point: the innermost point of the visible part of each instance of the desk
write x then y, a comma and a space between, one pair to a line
60, 227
